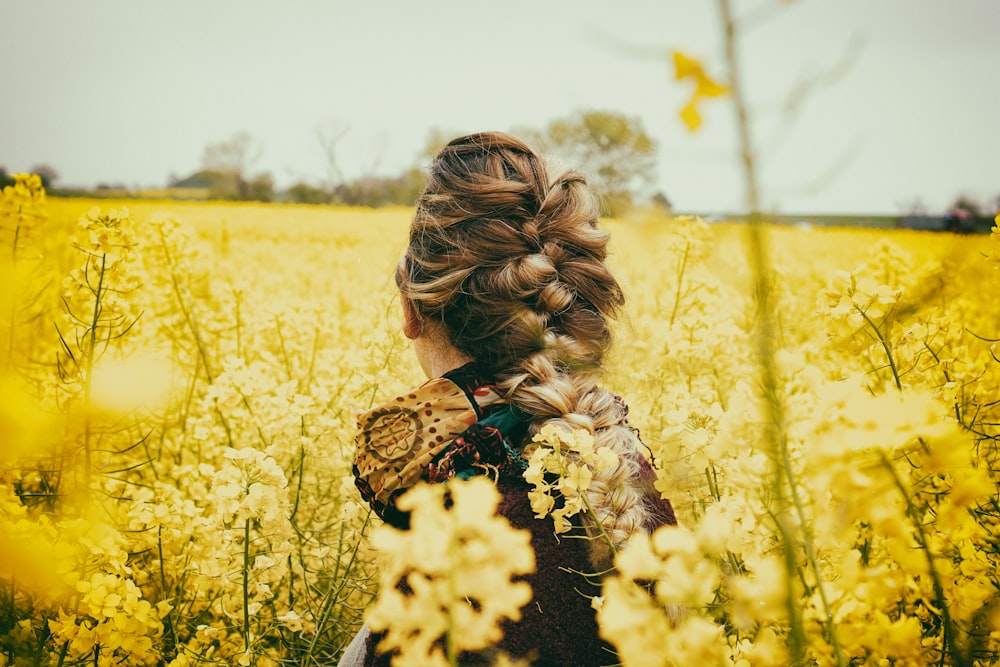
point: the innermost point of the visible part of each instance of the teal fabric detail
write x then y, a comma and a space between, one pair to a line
503, 420
506, 420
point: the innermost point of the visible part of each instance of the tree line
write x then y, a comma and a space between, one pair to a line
612, 149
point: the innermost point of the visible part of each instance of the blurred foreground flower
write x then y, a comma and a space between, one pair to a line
457, 561
995, 236
123, 384
686, 67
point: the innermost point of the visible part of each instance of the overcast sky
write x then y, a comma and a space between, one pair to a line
131, 92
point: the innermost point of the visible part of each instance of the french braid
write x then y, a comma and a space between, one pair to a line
514, 267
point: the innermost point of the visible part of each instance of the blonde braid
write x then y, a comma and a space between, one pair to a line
514, 267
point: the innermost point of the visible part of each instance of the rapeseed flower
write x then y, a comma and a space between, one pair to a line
457, 561
686, 67
561, 466
273, 351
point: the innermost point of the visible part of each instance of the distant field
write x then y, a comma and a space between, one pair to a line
179, 492
920, 222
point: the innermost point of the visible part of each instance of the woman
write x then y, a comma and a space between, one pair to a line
508, 302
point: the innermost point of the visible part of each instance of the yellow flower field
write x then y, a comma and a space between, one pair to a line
180, 382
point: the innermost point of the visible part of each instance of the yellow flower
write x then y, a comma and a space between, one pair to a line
576, 477
634, 624
458, 561
569, 460
686, 67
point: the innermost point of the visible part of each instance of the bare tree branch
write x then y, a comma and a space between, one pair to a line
329, 137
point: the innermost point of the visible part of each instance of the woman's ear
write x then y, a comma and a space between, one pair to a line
413, 326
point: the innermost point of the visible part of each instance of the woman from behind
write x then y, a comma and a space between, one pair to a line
509, 303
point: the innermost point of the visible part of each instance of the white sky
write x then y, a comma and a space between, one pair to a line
120, 91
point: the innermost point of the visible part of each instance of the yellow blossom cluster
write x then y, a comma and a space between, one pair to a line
561, 466
654, 606
872, 520
222, 498
447, 582
22, 209
24, 273
96, 294
116, 622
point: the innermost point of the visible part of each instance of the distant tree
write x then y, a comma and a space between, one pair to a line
330, 136
304, 193
232, 160
261, 188
967, 204
405, 188
375, 191
660, 201
613, 150
437, 138
913, 206
219, 184
961, 217
47, 173
5, 178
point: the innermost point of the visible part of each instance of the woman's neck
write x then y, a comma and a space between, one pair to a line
436, 354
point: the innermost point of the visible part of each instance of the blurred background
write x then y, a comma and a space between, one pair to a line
858, 108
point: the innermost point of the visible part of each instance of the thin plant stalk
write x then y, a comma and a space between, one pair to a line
950, 639
680, 281
885, 346
246, 586
88, 367
776, 438
13, 301
169, 629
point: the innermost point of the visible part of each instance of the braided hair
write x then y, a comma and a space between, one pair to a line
513, 265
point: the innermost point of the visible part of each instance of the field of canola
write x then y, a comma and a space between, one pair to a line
179, 388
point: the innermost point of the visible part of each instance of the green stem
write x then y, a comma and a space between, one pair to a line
43, 638
600, 525
307, 380
742, 120
332, 596
680, 281
188, 316
13, 250
63, 650
192, 324
13, 300
169, 633
88, 359
948, 626
831, 626
239, 326
281, 346
301, 474
885, 346
246, 586
765, 336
